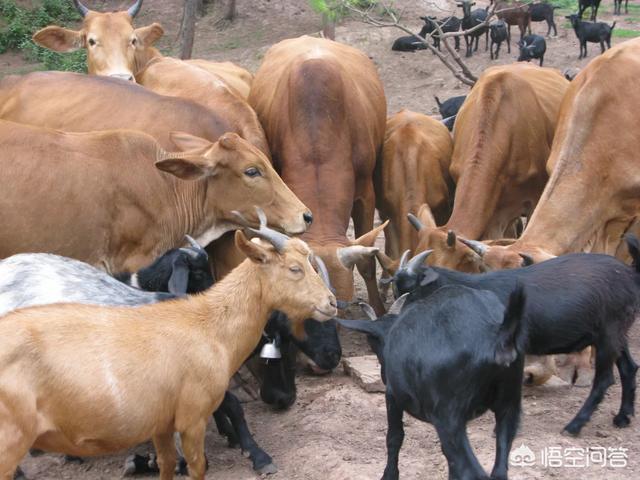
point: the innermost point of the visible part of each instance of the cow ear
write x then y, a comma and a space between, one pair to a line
150, 34
186, 166
59, 39
189, 143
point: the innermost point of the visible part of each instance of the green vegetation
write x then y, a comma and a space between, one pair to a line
624, 33
336, 9
18, 24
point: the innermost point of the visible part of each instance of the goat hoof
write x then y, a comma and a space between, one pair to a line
570, 431
621, 420
268, 469
19, 475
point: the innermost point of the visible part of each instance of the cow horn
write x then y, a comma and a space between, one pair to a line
349, 256
478, 247
195, 245
368, 310
416, 262
403, 258
81, 8
451, 238
324, 273
277, 239
526, 259
398, 304
413, 220
135, 8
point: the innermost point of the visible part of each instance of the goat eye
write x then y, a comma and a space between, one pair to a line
92, 42
295, 269
134, 41
252, 172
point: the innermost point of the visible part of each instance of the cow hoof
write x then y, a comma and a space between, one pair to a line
268, 469
621, 420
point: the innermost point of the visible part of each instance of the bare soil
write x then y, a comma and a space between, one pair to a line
335, 430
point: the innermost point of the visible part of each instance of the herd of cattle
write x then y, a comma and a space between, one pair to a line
516, 13
106, 175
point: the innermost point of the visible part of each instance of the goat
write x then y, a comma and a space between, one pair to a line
408, 43
447, 24
543, 12
532, 46
445, 360
598, 32
584, 4
449, 109
514, 14
617, 6
596, 308
123, 375
470, 20
498, 34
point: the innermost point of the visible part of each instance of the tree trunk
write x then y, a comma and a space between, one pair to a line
328, 27
231, 10
188, 28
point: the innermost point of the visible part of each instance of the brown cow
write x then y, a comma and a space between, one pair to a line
97, 196
414, 171
323, 109
502, 140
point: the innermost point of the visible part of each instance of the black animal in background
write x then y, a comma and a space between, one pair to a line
447, 359
532, 46
498, 33
409, 43
617, 6
472, 19
543, 12
447, 24
449, 109
594, 32
584, 4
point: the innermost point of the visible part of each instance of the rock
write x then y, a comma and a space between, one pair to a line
365, 371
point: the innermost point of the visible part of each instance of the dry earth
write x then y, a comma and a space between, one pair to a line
335, 430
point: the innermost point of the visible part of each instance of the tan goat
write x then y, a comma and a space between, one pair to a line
91, 380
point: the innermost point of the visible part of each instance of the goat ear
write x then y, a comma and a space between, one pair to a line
429, 276
59, 39
365, 326
179, 276
150, 34
254, 251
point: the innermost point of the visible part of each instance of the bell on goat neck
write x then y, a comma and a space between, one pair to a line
270, 351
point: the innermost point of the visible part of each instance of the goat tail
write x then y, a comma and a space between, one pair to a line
612, 26
437, 101
510, 335
634, 250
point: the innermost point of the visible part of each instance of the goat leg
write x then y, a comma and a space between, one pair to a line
395, 437
507, 418
166, 454
627, 369
262, 462
223, 424
457, 449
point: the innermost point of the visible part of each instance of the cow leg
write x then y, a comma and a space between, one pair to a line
230, 406
395, 436
602, 381
454, 442
627, 369
362, 214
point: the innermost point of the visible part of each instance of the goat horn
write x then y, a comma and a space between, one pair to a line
193, 254
413, 220
403, 259
478, 247
324, 273
277, 239
416, 262
81, 8
445, 120
368, 310
135, 8
451, 238
398, 304
195, 245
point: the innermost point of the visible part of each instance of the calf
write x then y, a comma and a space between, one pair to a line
447, 24
470, 20
594, 32
498, 33
514, 13
584, 4
596, 308
449, 109
532, 46
448, 359
409, 43
540, 12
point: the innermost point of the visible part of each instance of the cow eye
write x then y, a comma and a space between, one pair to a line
252, 172
92, 42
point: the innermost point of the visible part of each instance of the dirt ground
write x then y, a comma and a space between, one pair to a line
335, 430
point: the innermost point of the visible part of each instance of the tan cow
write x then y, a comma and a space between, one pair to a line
99, 198
323, 109
414, 171
502, 139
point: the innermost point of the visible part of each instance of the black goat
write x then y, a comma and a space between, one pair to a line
595, 308
498, 34
532, 46
472, 19
543, 12
617, 6
448, 359
409, 43
449, 109
584, 4
447, 24
594, 32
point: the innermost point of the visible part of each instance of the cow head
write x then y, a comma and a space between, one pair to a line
505, 254
114, 46
238, 176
